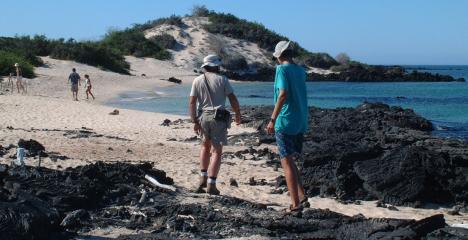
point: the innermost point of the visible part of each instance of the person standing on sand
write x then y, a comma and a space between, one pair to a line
211, 120
289, 120
10, 82
75, 79
88, 87
19, 79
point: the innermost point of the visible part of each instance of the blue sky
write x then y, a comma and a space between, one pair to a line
371, 31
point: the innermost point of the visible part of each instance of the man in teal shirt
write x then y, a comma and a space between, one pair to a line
289, 120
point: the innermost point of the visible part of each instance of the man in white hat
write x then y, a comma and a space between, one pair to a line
19, 79
211, 119
289, 120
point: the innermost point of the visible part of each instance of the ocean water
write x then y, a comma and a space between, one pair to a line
445, 104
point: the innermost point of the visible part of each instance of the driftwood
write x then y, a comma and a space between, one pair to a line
157, 184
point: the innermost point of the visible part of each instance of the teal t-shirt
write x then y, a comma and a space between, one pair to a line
293, 117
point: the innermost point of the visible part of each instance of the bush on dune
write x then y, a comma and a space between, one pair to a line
91, 53
165, 41
200, 11
8, 60
26, 47
231, 26
133, 42
172, 20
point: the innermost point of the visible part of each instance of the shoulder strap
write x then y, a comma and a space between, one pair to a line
209, 91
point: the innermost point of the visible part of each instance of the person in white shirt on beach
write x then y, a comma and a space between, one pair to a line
211, 119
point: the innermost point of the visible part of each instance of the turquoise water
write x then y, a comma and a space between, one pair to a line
446, 104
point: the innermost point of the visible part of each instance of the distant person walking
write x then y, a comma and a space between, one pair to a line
88, 86
74, 79
19, 79
211, 119
289, 120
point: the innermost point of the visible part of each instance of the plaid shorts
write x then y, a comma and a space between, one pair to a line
289, 145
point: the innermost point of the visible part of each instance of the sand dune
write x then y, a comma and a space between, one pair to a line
195, 43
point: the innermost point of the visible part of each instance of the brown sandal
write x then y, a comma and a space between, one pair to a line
305, 202
295, 212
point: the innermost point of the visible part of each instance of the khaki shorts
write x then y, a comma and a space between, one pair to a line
74, 87
213, 130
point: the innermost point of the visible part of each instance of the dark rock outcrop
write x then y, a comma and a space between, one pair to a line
32, 147
365, 73
39, 203
352, 73
375, 151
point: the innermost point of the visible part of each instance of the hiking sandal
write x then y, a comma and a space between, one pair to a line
295, 212
305, 202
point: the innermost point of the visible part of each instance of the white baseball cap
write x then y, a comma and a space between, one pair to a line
16, 65
281, 47
212, 61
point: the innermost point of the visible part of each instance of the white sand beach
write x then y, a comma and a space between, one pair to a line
47, 111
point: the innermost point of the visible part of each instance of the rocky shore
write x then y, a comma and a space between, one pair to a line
357, 73
377, 152
39, 203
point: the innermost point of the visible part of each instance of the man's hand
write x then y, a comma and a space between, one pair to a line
238, 119
197, 128
271, 127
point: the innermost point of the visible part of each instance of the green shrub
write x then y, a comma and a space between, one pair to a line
165, 41
91, 53
234, 62
231, 26
172, 20
134, 42
8, 60
25, 47
319, 60
200, 11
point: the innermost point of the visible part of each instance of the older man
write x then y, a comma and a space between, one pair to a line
211, 120
289, 119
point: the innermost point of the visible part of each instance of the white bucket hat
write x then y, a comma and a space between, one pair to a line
281, 47
212, 61
16, 65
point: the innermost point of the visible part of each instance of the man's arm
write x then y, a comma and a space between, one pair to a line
279, 104
235, 106
193, 114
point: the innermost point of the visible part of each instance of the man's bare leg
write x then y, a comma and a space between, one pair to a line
300, 185
213, 169
291, 180
205, 155
215, 163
